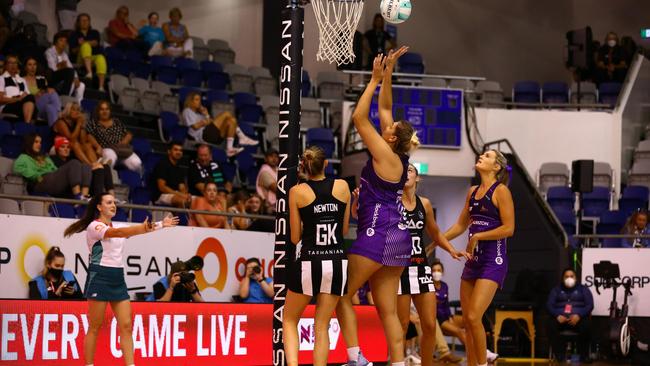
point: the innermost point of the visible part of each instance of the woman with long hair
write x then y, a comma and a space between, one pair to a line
416, 282
490, 216
48, 103
54, 282
86, 48
105, 282
71, 124
319, 216
383, 245
637, 224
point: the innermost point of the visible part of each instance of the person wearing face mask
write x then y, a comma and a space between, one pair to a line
54, 283
611, 65
570, 305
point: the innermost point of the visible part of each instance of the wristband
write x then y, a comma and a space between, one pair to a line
158, 225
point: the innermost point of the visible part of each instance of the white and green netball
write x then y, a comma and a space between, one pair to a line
395, 11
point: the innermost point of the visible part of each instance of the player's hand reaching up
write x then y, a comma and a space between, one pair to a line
170, 221
393, 55
378, 67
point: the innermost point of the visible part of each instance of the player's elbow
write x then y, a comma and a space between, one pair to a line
509, 230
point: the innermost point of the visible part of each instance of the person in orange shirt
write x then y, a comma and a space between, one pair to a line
209, 202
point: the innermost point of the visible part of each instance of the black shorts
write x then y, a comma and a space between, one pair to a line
411, 331
212, 135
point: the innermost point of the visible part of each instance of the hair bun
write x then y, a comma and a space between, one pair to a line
415, 141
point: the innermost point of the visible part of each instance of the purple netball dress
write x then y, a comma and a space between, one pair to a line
490, 258
382, 233
443, 311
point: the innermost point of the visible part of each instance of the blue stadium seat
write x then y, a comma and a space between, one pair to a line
568, 220
611, 222
138, 215
184, 92
11, 146
191, 77
306, 84
229, 169
44, 131
88, 105
142, 70
5, 128
149, 162
122, 67
121, 215
158, 61
133, 56
217, 80
64, 210
411, 62
112, 54
608, 93
526, 92
22, 128
167, 74
246, 164
633, 198
130, 178
322, 137
172, 129
183, 63
216, 96
560, 197
141, 145
250, 113
596, 202
140, 196
210, 66
555, 92
242, 99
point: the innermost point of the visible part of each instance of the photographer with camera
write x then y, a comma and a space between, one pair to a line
179, 285
254, 287
54, 283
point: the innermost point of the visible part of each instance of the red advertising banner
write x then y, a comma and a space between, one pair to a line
52, 333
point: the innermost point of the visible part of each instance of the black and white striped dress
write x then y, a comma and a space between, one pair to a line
416, 278
322, 261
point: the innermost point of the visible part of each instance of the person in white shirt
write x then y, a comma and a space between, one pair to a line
64, 78
105, 282
14, 92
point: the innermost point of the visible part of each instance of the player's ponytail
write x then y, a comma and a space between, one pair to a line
312, 162
91, 214
407, 138
503, 175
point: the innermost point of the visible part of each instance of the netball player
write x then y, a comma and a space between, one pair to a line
489, 213
319, 215
105, 282
416, 281
383, 244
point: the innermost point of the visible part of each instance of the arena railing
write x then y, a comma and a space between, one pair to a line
480, 103
18, 197
415, 78
595, 240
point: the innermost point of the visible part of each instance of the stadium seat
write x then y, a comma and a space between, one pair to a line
161, 88
167, 74
192, 78
150, 101
185, 91
434, 82
88, 105
240, 78
310, 115
526, 92
22, 128
608, 93
322, 137
158, 61
245, 163
33, 208
555, 92
133, 56
5, 128
149, 162
640, 173
306, 84
595, 202
184, 63
130, 178
642, 151
11, 146
588, 93
633, 198
221, 51
215, 95
229, 169
241, 99
170, 128
169, 103
568, 220
602, 174
139, 215
210, 66
140, 196
141, 145
63, 210
217, 80
201, 53
553, 174
490, 92
411, 63
142, 84
6, 167
330, 85
463, 84
611, 222
121, 215
217, 44
263, 82
129, 99
560, 196
9, 207
142, 70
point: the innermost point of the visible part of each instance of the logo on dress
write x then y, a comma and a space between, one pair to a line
498, 260
370, 232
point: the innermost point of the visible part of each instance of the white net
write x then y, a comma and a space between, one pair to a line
337, 20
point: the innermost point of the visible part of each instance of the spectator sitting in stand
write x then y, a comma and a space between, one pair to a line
48, 103
203, 128
637, 224
267, 179
204, 170
71, 125
178, 42
171, 288
377, 40
254, 288
85, 47
255, 205
113, 137
54, 283
570, 305
153, 35
63, 76
209, 202
123, 34
14, 92
169, 179
95, 175
611, 65
239, 207
42, 175
24, 43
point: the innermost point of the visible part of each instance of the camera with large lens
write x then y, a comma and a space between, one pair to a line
257, 270
186, 277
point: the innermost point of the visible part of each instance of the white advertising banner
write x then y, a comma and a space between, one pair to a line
24, 240
634, 265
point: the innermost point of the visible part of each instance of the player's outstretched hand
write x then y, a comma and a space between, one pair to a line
378, 66
148, 226
170, 221
393, 55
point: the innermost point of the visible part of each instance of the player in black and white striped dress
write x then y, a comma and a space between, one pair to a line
416, 282
319, 215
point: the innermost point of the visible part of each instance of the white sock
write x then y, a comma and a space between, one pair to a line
230, 141
353, 353
484, 364
240, 133
398, 364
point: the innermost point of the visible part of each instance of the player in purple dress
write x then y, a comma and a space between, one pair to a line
383, 245
489, 213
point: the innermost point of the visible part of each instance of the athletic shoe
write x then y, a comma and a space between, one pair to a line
413, 360
245, 140
450, 358
361, 361
234, 151
491, 356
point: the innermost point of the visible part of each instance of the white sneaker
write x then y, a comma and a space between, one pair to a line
491, 356
234, 151
413, 360
245, 140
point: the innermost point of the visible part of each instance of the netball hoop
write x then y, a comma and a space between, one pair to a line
337, 21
